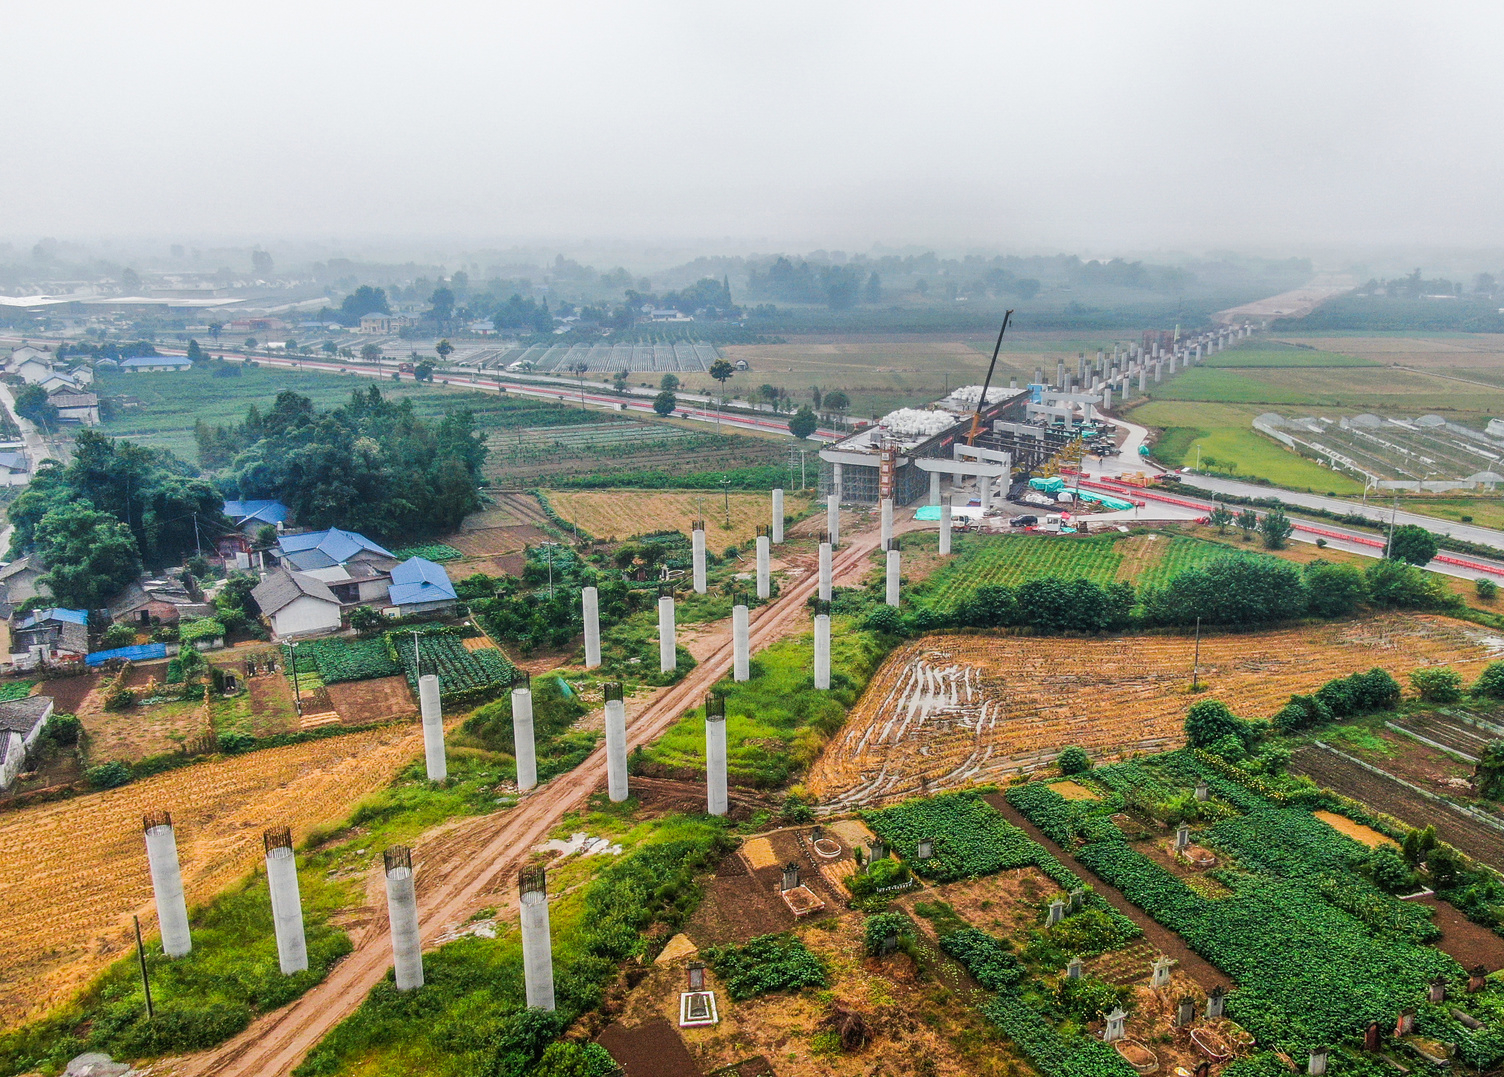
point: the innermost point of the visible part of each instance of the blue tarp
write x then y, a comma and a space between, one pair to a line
141, 652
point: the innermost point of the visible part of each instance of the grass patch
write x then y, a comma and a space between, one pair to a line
1275, 355
776, 721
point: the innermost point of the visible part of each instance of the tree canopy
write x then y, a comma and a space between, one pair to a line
371, 465
1412, 543
90, 555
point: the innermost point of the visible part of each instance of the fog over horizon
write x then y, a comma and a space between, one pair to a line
1336, 131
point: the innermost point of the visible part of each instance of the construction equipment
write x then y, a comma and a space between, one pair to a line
976, 421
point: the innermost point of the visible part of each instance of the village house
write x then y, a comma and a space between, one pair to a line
50, 635
148, 364
21, 579
421, 586
21, 723
297, 604
354, 568
156, 601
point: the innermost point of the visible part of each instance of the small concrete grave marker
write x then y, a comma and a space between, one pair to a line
1477, 978
1182, 837
790, 876
1074, 969
1202, 790
1078, 899
889, 943
1215, 1002
1371, 1036
1116, 1025
1161, 972
1057, 913
1185, 1012
1437, 992
696, 977
1204, 1069
926, 848
1404, 1024
1316, 1064
879, 849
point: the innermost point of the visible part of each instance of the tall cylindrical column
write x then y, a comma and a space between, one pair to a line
1107, 398
402, 911
1059, 373
668, 656
715, 755
167, 884
287, 905
891, 595
934, 487
616, 743
741, 643
824, 569
590, 599
1158, 372
887, 521
764, 564
523, 747
777, 517
984, 487
822, 651
433, 727
697, 543
833, 518
1143, 380
945, 529
537, 944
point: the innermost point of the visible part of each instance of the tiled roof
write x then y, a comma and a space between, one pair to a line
416, 581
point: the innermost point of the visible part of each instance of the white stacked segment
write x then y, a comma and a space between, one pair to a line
890, 595
590, 599
777, 517
822, 651
668, 655
716, 802
167, 884
764, 565
741, 643
402, 911
616, 743
887, 521
433, 727
523, 747
945, 530
824, 569
537, 943
697, 543
287, 905
833, 518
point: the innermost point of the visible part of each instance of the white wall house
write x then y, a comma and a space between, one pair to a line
21, 722
297, 604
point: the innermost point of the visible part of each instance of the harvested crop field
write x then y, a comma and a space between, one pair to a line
1473, 836
377, 700
68, 915
945, 712
622, 514
1367, 835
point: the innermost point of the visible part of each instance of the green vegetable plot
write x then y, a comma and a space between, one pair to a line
1016, 559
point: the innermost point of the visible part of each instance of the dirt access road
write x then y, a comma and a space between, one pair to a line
478, 855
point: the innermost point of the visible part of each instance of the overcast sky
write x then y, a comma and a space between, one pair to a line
1023, 126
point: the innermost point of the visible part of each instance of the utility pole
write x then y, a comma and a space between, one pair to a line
297, 690
726, 491
550, 584
151, 1012
417, 658
198, 546
1196, 662
801, 469
1389, 545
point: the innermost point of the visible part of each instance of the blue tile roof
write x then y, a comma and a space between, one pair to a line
416, 581
268, 512
321, 549
78, 617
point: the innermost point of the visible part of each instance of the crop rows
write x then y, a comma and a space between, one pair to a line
434, 551
1182, 553
336, 660
1016, 559
458, 669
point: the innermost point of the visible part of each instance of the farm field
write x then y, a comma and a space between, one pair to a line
1277, 355
946, 712
1355, 389
1478, 356
625, 513
1144, 560
1475, 838
69, 912
1225, 432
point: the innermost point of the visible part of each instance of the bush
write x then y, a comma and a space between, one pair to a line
62, 729
1301, 712
883, 924
766, 963
1490, 682
1486, 589
1389, 871
1412, 543
985, 957
1437, 684
109, 775
1209, 721
1334, 590
1073, 760
235, 743
1087, 998
120, 699
885, 619
117, 636
567, 1059
1396, 585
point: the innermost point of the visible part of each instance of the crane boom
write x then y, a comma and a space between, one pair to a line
976, 420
